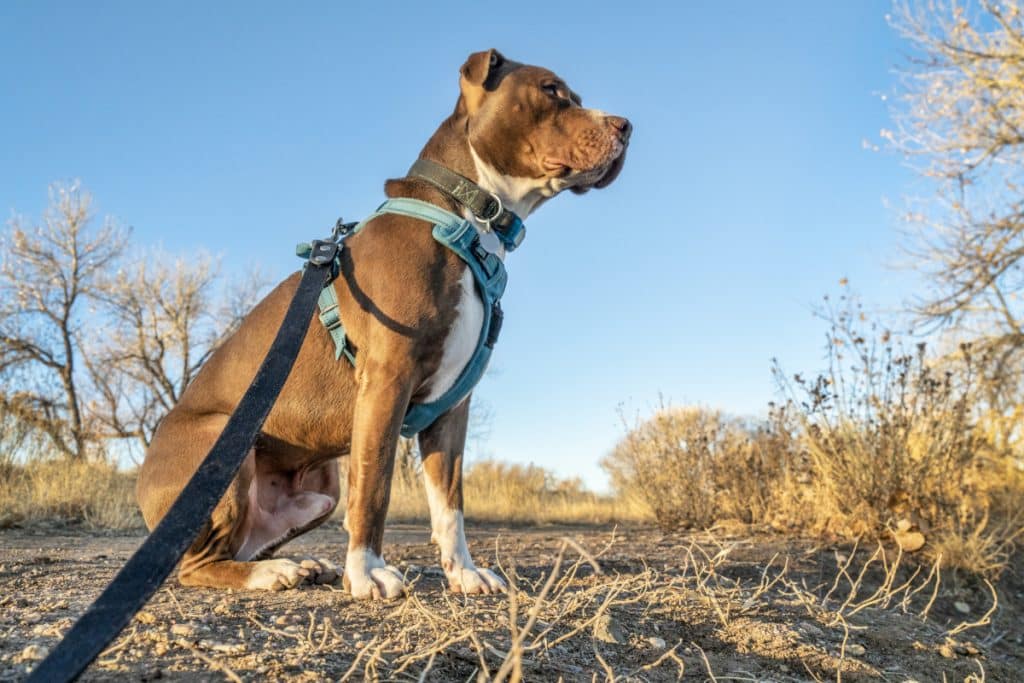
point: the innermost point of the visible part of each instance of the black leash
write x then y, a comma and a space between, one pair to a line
143, 574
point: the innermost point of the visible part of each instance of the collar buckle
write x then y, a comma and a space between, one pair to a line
498, 210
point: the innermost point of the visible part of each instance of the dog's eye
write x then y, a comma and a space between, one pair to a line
552, 89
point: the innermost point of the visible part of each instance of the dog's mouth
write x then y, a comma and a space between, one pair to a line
596, 177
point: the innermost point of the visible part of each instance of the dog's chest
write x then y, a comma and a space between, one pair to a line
462, 338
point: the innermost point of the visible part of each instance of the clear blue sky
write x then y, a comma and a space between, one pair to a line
242, 128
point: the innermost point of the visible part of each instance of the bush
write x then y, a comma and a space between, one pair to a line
693, 467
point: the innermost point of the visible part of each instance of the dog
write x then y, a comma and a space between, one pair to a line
411, 311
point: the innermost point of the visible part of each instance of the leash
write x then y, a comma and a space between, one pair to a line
143, 574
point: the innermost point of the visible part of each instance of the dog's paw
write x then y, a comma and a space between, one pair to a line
368, 577
276, 575
320, 570
474, 581
379, 583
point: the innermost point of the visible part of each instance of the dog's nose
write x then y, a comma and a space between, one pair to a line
621, 125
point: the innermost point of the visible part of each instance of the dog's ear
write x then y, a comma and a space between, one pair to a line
475, 74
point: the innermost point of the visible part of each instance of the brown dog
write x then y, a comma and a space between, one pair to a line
411, 309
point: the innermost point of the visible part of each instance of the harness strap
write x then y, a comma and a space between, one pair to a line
462, 237
331, 319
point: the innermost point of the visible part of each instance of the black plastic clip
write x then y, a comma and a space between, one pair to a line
323, 253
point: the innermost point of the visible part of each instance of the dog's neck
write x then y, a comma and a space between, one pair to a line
450, 147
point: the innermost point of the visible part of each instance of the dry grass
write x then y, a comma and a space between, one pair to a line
518, 494
95, 494
98, 495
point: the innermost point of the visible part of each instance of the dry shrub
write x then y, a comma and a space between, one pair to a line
693, 467
892, 438
94, 493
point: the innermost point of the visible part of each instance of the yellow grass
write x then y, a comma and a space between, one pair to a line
495, 491
98, 495
95, 494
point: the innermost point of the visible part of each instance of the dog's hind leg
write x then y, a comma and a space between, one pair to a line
442, 445
214, 559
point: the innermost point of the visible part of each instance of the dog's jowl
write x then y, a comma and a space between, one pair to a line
413, 316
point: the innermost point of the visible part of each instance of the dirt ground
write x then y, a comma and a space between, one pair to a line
624, 604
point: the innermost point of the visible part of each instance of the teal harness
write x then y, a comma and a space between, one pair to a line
462, 237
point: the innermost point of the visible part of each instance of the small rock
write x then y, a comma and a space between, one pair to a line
910, 541
855, 649
182, 629
227, 648
31, 618
160, 649
967, 649
283, 620
145, 617
656, 642
903, 525
946, 650
962, 607
811, 630
607, 630
33, 653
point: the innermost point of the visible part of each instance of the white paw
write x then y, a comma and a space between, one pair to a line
276, 575
321, 571
380, 583
474, 581
367, 577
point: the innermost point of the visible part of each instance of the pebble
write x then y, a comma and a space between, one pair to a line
946, 651
903, 525
962, 607
33, 653
657, 643
182, 629
283, 620
607, 630
910, 541
145, 617
811, 630
855, 649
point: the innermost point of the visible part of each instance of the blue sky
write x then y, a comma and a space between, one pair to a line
242, 128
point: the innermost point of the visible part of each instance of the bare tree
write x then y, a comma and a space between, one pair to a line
162, 328
961, 122
50, 275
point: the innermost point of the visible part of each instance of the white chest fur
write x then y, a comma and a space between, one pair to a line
462, 338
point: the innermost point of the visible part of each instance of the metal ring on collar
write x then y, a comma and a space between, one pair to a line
497, 212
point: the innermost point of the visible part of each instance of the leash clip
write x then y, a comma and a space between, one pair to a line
341, 229
323, 253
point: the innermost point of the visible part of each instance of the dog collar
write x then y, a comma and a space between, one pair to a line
484, 205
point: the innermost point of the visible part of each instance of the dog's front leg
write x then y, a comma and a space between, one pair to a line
380, 406
442, 445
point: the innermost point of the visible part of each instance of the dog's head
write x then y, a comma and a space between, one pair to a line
530, 135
